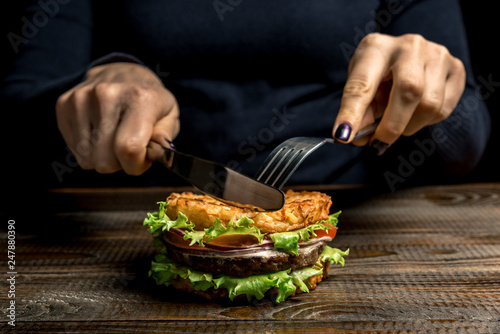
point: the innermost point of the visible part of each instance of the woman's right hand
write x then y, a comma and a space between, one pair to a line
108, 120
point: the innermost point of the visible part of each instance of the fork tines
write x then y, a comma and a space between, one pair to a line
284, 160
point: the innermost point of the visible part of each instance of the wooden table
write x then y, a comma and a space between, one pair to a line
422, 260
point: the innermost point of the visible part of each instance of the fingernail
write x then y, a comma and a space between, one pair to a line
379, 146
171, 144
343, 132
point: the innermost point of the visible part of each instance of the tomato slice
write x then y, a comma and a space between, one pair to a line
220, 243
234, 240
331, 232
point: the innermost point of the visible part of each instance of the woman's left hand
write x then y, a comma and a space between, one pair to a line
408, 81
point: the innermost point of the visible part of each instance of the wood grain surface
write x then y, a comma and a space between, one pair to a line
423, 260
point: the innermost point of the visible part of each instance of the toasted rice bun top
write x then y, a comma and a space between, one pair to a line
300, 210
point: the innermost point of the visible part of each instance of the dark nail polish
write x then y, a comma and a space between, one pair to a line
172, 146
379, 146
343, 132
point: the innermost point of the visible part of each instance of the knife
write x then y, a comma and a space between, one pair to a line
217, 180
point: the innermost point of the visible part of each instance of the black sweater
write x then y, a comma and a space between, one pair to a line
247, 74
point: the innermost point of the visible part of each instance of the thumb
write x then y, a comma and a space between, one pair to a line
164, 132
167, 128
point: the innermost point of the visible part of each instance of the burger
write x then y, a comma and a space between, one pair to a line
220, 251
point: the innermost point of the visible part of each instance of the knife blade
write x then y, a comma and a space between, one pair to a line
217, 180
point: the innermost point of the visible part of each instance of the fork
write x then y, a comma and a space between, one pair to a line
286, 157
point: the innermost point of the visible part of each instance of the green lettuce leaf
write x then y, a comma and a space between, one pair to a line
252, 286
331, 256
289, 241
257, 285
159, 221
333, 219
300, 276
285, 286
196, 237
200, 280
163, 270
243, 226
286, 241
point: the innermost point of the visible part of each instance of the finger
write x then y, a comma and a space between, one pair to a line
432, 99
163, 134
75, 125
368, 118
63, 109
155, 151
136, 129
102, 141
367, 69
168, 127
407, 90
375, 111
437, 70
104, 108
445, 82
454, 88
131, 140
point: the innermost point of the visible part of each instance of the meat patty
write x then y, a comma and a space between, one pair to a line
300, 210
246, 264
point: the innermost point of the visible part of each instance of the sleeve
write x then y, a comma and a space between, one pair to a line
459, 142
53, 49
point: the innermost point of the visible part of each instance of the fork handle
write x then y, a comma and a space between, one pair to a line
366, 130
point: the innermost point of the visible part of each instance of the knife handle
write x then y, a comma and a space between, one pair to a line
156, 150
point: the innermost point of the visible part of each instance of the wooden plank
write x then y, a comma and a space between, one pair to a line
265, 327
422, 260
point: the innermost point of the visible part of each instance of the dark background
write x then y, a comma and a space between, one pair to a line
481, 22
482, 27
